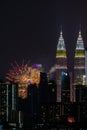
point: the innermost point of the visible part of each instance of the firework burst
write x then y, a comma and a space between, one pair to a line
23, 74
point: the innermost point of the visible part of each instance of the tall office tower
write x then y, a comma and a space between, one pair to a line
81, 93
61, 58
81, 98
9, 102
12, 97
79, 60
65, 87
2, 102
52, 91
30, 107
43, 88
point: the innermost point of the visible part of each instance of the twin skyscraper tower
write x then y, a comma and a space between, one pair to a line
78, 76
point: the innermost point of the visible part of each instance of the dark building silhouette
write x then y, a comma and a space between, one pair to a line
81, 93
52, 91
30, 109
43, 88
81, 98
47, 89
83, 113
65, 87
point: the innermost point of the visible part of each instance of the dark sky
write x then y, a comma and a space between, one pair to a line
30, 30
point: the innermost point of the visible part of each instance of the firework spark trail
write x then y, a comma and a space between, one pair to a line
22, 73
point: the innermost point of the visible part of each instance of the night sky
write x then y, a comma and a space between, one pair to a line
30, 30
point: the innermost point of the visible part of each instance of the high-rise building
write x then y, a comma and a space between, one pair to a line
79, 65
2, 102
52, 91
43, 88
9, 102
50, 113
86, 66
30, 107
79, 60
81, 98
12, 102
81, 93
61, 58
65, 87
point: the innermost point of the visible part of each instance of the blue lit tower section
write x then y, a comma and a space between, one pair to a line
79, 60
65, 87
61, 59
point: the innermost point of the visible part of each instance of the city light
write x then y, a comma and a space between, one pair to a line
71, 119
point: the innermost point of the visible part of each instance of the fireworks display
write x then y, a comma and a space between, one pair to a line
24, 75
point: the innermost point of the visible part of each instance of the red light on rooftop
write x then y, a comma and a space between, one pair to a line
71, 119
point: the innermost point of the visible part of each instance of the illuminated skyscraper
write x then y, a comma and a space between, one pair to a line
86, 66
9, 102
79, 60
2, 102
61, 58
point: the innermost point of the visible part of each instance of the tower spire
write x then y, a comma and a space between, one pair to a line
61, 43
80, 44
61, 28
61, 66
79, 60
79, 52
61, 50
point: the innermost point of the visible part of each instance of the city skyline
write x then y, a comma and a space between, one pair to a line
30, 31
